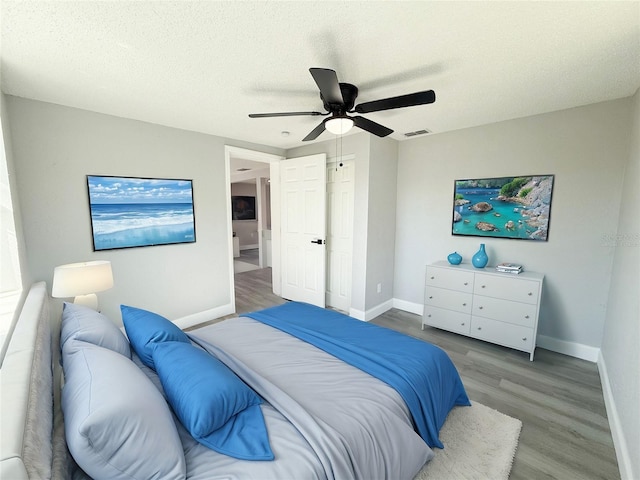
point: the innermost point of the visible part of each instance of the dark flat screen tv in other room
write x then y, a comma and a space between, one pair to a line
243, 208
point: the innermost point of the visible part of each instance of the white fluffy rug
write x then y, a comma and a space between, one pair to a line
479, 443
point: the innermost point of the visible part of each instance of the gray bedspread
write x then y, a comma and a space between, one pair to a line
325, 418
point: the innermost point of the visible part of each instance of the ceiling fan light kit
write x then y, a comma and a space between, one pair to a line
339, 125
339, 99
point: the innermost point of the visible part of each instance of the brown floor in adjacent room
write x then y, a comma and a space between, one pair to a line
565, 433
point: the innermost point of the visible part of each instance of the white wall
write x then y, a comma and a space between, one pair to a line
56, 147
585, 148
620, 361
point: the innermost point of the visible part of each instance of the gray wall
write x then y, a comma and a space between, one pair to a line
10, 274
586, 148
620, 358
55, 147
381, 228
245, 230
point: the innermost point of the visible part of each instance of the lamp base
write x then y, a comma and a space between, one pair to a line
90, 300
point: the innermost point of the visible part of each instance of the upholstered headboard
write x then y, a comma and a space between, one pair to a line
27, 385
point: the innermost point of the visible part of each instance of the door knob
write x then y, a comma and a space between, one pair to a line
318, 241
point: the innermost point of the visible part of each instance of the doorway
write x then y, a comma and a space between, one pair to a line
340, 207
248, 177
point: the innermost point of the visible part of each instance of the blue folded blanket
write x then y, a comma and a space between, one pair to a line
423, 374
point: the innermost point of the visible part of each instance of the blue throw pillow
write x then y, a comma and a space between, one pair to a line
145, 328
84, 323
217, 408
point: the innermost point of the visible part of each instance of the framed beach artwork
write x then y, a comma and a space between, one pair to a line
138, 212
504, 207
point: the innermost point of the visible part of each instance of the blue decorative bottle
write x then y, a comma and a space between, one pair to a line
480, 258
454, 258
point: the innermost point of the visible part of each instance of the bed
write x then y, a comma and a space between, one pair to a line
291, 392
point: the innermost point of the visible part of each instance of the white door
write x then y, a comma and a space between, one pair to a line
340, 188
303, 228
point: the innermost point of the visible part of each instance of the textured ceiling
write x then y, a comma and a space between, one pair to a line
204, 66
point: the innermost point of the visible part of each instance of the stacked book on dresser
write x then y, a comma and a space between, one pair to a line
509, 268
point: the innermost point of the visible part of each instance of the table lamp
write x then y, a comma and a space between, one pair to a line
82, 281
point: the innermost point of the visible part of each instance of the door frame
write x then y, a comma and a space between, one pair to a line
274, 167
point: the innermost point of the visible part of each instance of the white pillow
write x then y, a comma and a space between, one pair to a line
117, 424
84, 323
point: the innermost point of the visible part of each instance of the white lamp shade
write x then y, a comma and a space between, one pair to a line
339, 125
82, 278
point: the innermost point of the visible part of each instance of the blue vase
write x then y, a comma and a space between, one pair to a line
454, 258
480, 258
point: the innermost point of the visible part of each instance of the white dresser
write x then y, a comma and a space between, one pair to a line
501, 308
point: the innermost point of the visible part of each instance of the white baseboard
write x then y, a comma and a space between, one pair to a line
578, 350
249, 247
619, 441
202, 317
410, 307
372, 312
573, 349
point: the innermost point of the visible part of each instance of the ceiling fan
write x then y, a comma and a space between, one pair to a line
339, 100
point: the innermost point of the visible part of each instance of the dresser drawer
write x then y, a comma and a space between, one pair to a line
450, 278
446, 319
514, 336
450, 299
507, 287
518, 313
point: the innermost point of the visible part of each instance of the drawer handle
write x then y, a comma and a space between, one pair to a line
432, 278
524, 339
530, 293
462, 324
480, 308
483, 286
429, 315
479, 328
526, 316
464, 304
466, 283
430, 297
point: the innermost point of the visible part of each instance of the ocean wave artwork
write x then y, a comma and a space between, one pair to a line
135, 212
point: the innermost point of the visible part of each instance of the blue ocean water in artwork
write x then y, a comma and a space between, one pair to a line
501, 213
138, 224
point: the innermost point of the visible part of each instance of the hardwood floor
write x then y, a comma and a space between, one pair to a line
559, 400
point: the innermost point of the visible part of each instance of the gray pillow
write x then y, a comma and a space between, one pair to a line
117, 424
84, 323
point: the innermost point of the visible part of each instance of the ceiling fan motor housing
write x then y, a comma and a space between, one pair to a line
349, 95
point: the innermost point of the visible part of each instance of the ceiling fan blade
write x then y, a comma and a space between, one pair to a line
418, 98
327, 81
284, 114
371, 126
315, 133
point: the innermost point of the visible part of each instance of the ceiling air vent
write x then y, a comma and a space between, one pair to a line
417, 132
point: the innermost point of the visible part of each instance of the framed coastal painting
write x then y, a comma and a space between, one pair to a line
503, 207
138, 212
